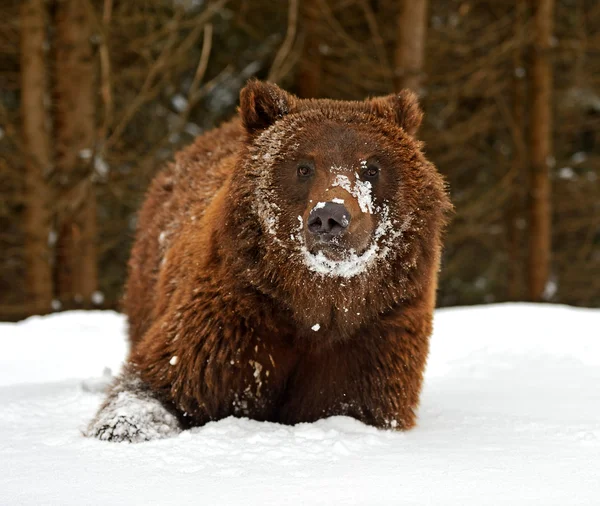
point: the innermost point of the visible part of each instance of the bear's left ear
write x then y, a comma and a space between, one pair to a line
261, 104
402, 108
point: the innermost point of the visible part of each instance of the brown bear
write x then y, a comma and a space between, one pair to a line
284, 269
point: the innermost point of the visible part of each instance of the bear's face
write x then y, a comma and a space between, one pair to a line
331, 177
338, 181
334, 210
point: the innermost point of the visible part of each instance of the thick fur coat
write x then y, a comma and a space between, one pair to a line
236, 308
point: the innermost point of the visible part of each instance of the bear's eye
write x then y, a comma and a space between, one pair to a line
371, 171
304, 170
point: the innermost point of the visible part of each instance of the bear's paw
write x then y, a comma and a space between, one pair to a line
128, 417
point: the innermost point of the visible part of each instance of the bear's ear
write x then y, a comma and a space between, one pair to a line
402, 108
261, 104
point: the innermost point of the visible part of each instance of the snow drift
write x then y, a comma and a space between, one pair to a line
510, 414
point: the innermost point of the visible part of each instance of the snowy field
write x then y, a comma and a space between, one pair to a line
510, 414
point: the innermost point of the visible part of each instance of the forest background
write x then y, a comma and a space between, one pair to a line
97, 95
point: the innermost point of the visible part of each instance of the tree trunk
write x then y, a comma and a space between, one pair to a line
309, 71
516, 209
76, 269
541, 151
38, 159
410, 45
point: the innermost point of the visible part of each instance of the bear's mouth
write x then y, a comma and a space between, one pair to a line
330, 250
336, 260
336, 248
341, 258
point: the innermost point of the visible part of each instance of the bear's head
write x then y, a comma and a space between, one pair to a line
337, 209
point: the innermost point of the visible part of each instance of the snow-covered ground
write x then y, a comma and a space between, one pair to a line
510, 414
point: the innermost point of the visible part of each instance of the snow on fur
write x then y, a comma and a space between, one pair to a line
354, 264
361, 191
132, 415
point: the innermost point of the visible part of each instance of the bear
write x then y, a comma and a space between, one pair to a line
284, 269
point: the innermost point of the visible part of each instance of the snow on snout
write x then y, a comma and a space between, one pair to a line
361, 191
321, 205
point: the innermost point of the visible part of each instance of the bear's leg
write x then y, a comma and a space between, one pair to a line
131, 413
375, 380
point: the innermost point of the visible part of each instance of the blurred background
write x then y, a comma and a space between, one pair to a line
97, 95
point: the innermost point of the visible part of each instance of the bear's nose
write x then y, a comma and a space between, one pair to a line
328, 219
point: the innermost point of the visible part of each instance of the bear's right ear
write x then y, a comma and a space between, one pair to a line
261, 104
402, 108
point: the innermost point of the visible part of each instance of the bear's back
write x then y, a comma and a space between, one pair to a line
179, 193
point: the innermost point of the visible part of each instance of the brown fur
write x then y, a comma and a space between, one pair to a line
235, 304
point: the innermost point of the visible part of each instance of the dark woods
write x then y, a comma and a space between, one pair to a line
96, 95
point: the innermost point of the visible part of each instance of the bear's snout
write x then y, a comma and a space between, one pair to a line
328, 220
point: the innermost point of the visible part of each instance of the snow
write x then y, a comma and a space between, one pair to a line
579, 157
189, 5
193, 129
85, 154
52, 237
132, 414
566, 173
316, 327
62, 346
179, 102
510, 415
361, 191
97, 297
101, 166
